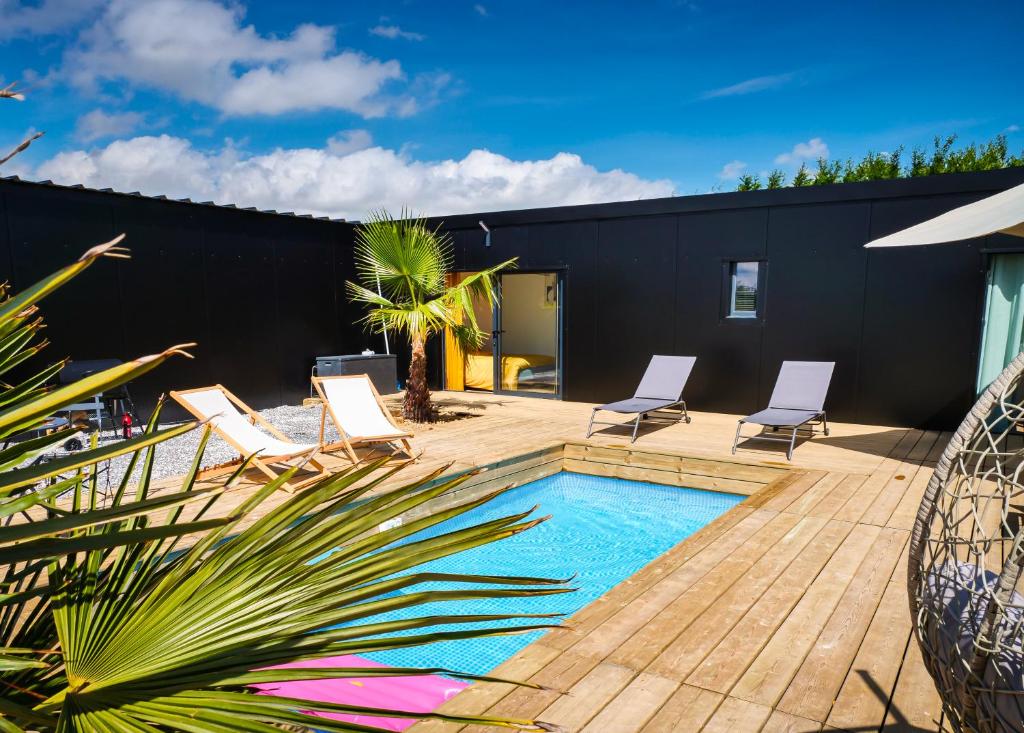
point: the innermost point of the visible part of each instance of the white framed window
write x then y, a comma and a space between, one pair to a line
743, 295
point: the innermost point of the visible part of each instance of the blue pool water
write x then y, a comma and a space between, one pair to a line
601, 529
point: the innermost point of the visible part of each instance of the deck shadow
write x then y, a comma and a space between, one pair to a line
626, 429
876, 444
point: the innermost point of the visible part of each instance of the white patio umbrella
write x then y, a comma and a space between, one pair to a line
1004, 310
1003, 212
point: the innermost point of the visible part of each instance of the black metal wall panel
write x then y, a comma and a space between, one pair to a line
728, 351
571, 248
814, 294
6, 256
50, 228
306, 283
264, 294
635, 293
922, 321
163, 297
241, 286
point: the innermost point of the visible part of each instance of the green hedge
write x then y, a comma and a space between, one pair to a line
942, 158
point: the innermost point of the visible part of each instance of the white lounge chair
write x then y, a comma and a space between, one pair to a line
358, 413
240, 427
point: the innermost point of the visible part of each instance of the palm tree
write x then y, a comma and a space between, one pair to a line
152, 611
403, 265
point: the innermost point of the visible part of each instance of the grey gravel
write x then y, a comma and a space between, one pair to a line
174, 457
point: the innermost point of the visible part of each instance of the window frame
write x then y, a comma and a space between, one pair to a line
727, 312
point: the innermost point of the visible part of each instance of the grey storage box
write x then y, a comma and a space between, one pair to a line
381, 368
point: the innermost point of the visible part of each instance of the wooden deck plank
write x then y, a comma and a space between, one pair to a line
905, 513
915, 704
837, 498
652, 636
782, 500
588, 696
477, 698
888, 499
689, 708
781, 722
814, 495
634, 706
723, 667
869, 684
859, 501
557, 678
816, 684
690, 648
735, 715
770, 673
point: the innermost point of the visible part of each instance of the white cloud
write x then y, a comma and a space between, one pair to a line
347, 183
480, 9
1012, 128
811, 150
749, 86
200, 51
732, 170
349, 141
393, 31
49, 16
99, 124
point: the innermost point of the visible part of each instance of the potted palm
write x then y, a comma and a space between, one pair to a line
402, 265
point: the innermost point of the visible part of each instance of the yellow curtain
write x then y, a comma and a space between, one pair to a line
454, 359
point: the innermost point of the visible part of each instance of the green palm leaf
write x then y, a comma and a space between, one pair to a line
150, 612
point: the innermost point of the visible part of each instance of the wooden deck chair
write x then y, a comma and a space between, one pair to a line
358, 413
240, 426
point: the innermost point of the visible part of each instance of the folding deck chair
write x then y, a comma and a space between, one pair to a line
240, 426
358, 413
797, 404
660, 390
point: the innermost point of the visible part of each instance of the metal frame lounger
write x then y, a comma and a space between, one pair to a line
661, 389
246, 431
359, 414
797, 404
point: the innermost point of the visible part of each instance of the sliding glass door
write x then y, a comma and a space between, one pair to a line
1003, 330
527, 334
521, 353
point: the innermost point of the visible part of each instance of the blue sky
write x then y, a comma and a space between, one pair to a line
339, 107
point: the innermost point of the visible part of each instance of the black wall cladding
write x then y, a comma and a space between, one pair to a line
263, 293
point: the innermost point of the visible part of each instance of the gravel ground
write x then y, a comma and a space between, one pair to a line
174, 457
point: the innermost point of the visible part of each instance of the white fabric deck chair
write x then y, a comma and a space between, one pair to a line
358, 413
240, 426
797, 404
660, 391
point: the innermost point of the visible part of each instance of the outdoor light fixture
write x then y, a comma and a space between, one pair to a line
487, 236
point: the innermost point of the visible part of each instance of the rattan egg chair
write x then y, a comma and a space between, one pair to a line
964, 580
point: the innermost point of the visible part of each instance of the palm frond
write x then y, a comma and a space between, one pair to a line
156, 611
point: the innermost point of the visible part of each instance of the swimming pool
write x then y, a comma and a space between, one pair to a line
602, 530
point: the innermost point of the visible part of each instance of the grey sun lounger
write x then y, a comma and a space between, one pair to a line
797, 403
660, 390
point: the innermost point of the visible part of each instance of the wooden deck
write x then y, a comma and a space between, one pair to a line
788, 613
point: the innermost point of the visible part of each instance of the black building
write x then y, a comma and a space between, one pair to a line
743, 281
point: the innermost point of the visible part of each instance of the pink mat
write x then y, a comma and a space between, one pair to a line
419, 694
